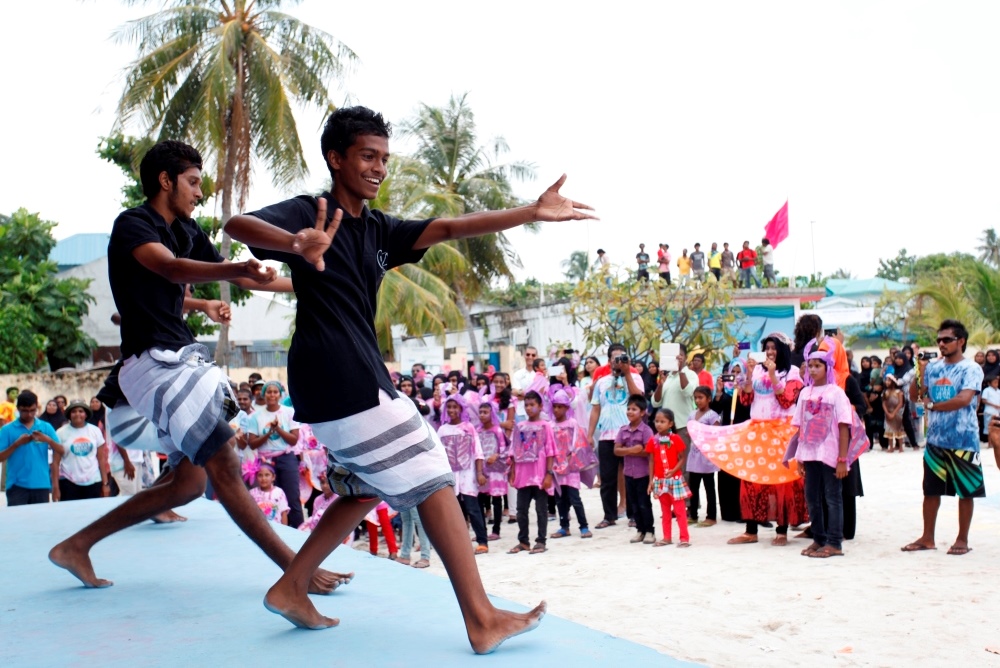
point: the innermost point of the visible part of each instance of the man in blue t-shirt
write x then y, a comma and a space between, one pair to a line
24, 445
948, 388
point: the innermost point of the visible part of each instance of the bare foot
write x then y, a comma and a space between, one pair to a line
505, 625
324, 582
78, 563
168, 517
299, 610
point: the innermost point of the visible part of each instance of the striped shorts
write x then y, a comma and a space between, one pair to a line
388, 451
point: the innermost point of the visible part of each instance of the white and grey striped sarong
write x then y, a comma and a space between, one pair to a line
388, 451
183, 395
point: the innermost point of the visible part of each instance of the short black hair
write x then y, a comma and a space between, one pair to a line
637, 400
704, 390
539, 361
345, 125
534, 396
172, 157
698, 356
613, 347
27, 398
958, 329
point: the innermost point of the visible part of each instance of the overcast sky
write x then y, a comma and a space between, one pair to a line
678, 122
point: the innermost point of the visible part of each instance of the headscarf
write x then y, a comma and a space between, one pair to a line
57, 419
827, 358
730, 385
841, 369
991, 369
97, 418
564, 397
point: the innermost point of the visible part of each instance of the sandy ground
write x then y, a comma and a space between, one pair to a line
757, 604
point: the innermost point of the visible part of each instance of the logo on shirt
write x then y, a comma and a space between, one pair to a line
383, 261
81, 447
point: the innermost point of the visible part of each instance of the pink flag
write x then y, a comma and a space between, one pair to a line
776, 231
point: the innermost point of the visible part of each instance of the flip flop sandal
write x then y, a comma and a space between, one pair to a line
604, 524
482, 549
520, 547
959, 550
538, 549
663, 543
809, 550
743, 539
684, 544
562, 533
423, 563
915, 547
826, 552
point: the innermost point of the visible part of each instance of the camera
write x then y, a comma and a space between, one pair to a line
621, 359
728, 377
830, 331
927, 355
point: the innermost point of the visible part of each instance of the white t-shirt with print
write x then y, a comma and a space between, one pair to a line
259, 423
79, 462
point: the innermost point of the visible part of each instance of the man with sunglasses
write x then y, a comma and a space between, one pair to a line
521, 380
948, 388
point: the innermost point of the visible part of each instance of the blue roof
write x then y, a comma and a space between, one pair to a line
850, 287
79, 249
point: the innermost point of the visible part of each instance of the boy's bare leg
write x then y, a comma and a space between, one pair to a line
223, 470
73, 554
287, 597
486, 625
186, 484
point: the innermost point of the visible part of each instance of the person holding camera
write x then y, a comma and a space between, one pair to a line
610, 404
948, 388
675, 390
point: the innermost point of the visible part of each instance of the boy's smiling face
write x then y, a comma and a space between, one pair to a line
360, 173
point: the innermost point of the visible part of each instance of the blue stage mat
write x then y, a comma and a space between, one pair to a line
190, 594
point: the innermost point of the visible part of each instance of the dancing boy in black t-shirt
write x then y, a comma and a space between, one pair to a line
154, 250
379, 446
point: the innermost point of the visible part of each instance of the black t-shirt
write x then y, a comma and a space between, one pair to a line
151, 307
335, 368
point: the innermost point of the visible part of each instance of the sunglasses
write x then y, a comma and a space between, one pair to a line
947, 339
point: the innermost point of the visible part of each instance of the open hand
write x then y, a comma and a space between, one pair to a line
552, 206
312, 243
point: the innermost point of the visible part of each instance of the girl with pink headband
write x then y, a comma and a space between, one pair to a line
494, 445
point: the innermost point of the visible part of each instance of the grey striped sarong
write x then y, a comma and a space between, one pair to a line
182, 394
388, 451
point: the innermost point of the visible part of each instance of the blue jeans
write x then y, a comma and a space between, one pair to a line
410, 518
822, 485
746, 275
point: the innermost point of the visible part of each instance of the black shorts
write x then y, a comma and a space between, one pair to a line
953, 473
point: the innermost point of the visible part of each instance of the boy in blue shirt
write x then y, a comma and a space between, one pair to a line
24, 445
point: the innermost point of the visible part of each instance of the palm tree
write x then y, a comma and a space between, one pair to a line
450, 174
223, 75
575, 268
989, 248
970, 295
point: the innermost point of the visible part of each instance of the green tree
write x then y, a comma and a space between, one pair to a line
577, 266
450, 174
54, 307
641, 315
530, 292
224, 76
22, 348
989, 248
895, 268
931, 265
126, 153
842, 274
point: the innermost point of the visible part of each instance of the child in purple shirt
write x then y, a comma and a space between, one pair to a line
532, 453
630, 443
700, 470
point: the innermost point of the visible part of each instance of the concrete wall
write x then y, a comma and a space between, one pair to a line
85, 384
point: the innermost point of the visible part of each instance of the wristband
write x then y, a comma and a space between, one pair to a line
841, 460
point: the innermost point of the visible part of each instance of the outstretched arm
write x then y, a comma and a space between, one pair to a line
551, 206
